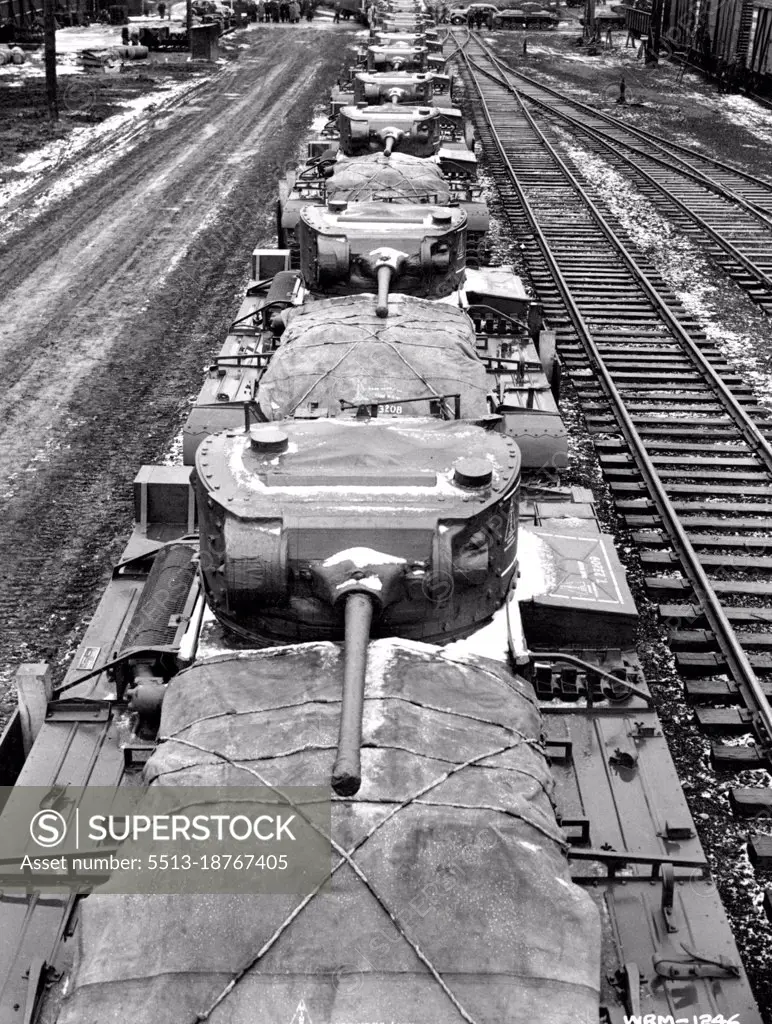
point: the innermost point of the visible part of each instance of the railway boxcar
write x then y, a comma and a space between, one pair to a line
732, 37
758, 50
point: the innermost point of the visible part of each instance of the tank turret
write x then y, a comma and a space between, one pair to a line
396, 87
417, 249
411, 37
397, 58
418, 515
414, 130
425, 88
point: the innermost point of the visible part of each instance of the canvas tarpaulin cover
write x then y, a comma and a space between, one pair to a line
404, 178
340, 349
469, 913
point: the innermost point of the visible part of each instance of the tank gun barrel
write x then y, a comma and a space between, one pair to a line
347, 771
384, 273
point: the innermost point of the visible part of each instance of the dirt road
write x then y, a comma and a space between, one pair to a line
112, 301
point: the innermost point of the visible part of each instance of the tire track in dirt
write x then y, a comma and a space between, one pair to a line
103, 376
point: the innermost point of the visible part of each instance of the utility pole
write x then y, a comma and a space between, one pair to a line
189, 19
589, 21
655, 30
49, 31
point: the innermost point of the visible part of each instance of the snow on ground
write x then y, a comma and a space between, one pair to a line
726, 315
748, 113
666, 87
15, 75
69, 43
614, 57
114, 132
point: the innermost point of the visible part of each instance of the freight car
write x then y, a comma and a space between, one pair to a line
732, 38
510, 840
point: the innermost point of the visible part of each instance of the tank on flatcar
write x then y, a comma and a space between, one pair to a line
396, 58
416, 513
381, 38
417, 88
412, 130
398, 178
399, 22
419, 131
456, 901
394, 6
402, 248
401, 8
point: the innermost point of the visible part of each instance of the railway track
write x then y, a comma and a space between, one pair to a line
680, 438
731, 209
754, 189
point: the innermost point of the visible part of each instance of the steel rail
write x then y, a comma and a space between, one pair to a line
708, 184
728, 641
729, 247
748, 428
668, 148
685, 170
